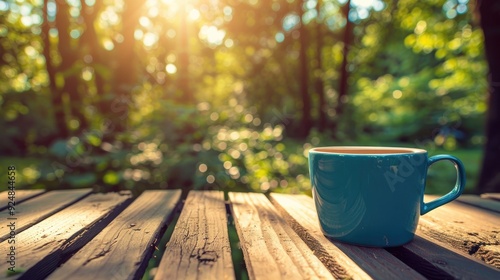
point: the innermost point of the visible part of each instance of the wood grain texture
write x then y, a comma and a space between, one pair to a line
122, 249
272, 250
440, 257
490, 254
39, 208
485, 203
199, 246
42, 247
20, 196
343, 260
466, 228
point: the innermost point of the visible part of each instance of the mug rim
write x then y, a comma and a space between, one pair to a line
366, 150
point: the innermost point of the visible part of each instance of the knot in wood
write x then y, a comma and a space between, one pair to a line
206, 256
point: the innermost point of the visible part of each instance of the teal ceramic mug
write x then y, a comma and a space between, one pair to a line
374, 196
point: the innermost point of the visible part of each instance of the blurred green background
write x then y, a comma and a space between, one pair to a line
231, 94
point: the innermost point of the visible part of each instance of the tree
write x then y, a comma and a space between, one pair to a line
69, 56
344, 71
125, 71
304, 74
187, 96
489, 180
94, 50
56, 95
319, 85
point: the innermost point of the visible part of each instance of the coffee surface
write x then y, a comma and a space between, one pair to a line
362, 151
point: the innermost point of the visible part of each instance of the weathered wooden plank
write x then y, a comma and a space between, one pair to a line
437, 260
490, 254
122, 249
485, 203
41, 248
39, 208
466, 228
343, 260
199, 246
272, 250
20, 196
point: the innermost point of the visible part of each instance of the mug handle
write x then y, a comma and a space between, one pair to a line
454, 193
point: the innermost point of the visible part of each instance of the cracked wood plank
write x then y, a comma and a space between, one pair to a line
122, 249
272, 250
42, 247
437, 260
475, 200
39, 208
489, 253
343, 260
20, 196
199, 246
471, 230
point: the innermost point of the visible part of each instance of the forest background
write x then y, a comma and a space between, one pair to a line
231, 94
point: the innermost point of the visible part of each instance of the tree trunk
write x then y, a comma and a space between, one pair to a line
304, 76
320, 90
69, 56
344, 72
125, 72
187, 96
489, 180
89, 36
55, 93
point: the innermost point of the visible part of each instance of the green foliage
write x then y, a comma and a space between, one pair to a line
434, 72
212, 100
442, 175
25, 120
198, 148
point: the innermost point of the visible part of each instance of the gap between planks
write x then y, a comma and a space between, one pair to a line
437, 260
471, 230
37, 209
42, 247
122, 249
429, 258
20, 196
199, 246
272, 250
359, 262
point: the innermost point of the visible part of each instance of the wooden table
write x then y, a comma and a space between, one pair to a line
77, 234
